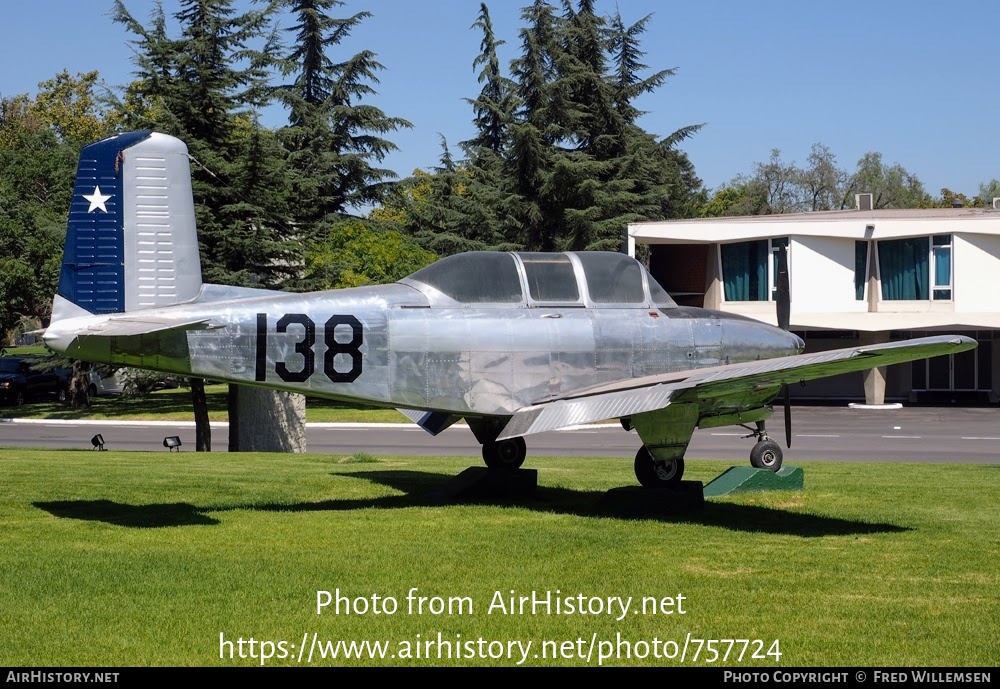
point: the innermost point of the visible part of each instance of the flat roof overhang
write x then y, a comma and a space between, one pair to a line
858, 225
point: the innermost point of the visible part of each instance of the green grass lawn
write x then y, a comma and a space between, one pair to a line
175, 405
121, 558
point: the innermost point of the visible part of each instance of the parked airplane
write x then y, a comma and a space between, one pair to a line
514, 343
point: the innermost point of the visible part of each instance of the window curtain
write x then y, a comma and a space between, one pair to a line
744, 271
860, 269
942, 266
904, 268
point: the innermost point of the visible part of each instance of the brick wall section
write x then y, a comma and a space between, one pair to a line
680, 268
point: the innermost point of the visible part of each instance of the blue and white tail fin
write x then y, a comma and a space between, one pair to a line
131, 243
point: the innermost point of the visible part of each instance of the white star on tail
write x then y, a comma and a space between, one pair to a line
97, 200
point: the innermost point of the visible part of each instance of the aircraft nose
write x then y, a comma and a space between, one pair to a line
747, 339
783, 343
797, 343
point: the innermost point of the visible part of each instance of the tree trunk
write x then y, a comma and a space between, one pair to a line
263, 420
79, 384
233, 409
202, 428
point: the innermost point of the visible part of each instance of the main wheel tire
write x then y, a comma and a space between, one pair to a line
653, 473
766, 455
62, 395
505, 454
20, 398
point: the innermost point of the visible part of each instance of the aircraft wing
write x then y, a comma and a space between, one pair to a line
650, 393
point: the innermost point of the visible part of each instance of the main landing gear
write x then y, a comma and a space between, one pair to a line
766, 454
655, 473
505, 454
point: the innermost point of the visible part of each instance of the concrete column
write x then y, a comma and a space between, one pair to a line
874, 378
713, 279
268, 421
995, 369
873, 285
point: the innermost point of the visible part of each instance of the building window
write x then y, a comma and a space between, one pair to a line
907, 265
750, 269
860, 269
941, 258
970, 370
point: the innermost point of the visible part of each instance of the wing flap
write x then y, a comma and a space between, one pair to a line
570, 412
431, 421
656, 392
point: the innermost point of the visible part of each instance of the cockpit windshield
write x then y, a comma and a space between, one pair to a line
486, 277
658, 294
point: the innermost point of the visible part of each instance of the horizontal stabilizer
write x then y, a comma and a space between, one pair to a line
135, 325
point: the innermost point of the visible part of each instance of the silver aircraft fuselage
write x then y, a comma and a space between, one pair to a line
406, 345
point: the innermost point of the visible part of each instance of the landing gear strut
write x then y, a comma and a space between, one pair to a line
505, 454
655, 473
766, 454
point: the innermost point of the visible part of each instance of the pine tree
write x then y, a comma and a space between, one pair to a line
538, 222
495, 105
607, 171
335, 141
204, 87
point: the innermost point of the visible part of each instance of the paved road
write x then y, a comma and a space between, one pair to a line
970, 435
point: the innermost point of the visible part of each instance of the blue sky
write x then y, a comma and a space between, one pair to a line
914, 80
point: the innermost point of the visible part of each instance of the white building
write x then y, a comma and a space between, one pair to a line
856, 276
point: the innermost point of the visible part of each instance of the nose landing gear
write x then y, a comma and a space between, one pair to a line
766, 454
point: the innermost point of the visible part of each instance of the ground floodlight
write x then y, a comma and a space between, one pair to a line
172, 442
98, 442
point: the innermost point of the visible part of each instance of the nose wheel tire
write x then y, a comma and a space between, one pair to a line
505, 454
766, 455
655, 473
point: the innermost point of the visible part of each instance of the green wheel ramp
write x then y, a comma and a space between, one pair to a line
747, 479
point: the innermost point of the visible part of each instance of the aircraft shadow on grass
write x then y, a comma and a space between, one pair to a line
123, 514
419, 489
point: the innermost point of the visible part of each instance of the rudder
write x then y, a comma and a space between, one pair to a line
131, 241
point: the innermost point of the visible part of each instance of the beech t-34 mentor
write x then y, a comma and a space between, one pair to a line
514, 343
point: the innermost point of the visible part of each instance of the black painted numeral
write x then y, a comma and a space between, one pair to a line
352, 348
260, 370
304, 348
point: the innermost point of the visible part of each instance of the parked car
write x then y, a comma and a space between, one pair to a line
125, 380
111, 384
22, 378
